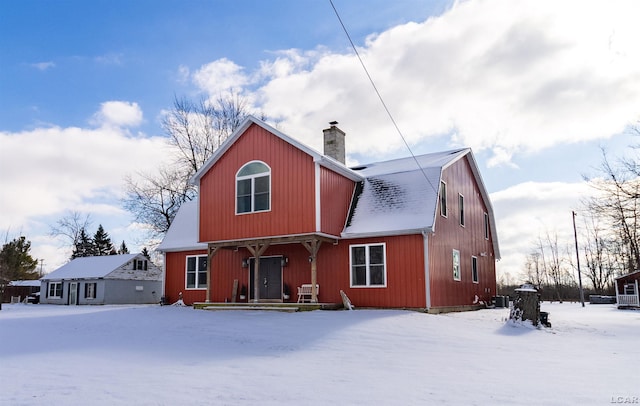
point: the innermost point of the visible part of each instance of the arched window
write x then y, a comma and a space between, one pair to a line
253, 188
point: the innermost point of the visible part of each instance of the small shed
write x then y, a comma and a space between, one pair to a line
111, 279
627, 293
20, 289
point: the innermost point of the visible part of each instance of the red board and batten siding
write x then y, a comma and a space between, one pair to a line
292, 190
336, 193
469, 240
175, 278
405, 272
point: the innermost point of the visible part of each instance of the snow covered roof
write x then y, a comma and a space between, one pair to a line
400, 196
32, 283
183, 233
107, 266
324, 160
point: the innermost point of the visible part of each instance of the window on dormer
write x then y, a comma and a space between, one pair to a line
253, 188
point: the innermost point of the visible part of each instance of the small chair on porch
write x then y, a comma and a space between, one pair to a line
304, 292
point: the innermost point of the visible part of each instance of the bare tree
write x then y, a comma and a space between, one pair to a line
600, 269
154, 199
195, 132
70, 226
618, 205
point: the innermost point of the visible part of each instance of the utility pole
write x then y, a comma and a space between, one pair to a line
575, 235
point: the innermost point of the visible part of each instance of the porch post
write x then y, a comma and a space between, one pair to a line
313, 246
257, 251
637, 294
210, 253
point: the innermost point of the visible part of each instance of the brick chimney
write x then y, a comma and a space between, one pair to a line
334, 142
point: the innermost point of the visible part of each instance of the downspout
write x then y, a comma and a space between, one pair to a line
427, 282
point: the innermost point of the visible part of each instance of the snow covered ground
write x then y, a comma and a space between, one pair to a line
152, 355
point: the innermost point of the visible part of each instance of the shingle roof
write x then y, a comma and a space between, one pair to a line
107, 266
398, 196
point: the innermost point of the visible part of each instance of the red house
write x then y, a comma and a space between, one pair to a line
274, 214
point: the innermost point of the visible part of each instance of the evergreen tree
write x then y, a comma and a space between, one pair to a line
123, 249
145, 252
16, 263
102, 242
84, 246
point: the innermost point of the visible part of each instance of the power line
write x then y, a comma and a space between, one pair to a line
375, 88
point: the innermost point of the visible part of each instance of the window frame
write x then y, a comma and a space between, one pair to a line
51, 288
442, 195
455, 257
197, 272
461, 209
252, 178
140, 264
90, 293
486, 225
475, 276
368, 265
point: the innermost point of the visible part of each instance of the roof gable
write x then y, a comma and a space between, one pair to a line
323, 160
107, 266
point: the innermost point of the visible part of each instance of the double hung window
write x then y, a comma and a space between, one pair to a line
368, 265
196, 272
55, 290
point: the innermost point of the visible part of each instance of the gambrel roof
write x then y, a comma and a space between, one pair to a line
105, 267
400, 196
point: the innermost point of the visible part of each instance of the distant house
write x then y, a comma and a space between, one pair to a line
273, 214
627, 293
110, 279
20, 289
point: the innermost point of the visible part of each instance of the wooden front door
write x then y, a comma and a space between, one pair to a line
270, 279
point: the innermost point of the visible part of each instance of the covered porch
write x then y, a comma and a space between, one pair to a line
627, 293
264, 260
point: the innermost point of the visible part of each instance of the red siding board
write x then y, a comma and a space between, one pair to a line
292, 190
175, 265
469, 240
335, 198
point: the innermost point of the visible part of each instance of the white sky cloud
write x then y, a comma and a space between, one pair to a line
118, 114
71, 166
530, 210
43, 65
512, 77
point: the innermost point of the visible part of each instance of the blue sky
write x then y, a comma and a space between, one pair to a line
535, 88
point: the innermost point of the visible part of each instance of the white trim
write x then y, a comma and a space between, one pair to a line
253, 189
368, 265
317, 197
461, 217
197, 271
453, 262
486, 226
475, 278
49, 285
446, 199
